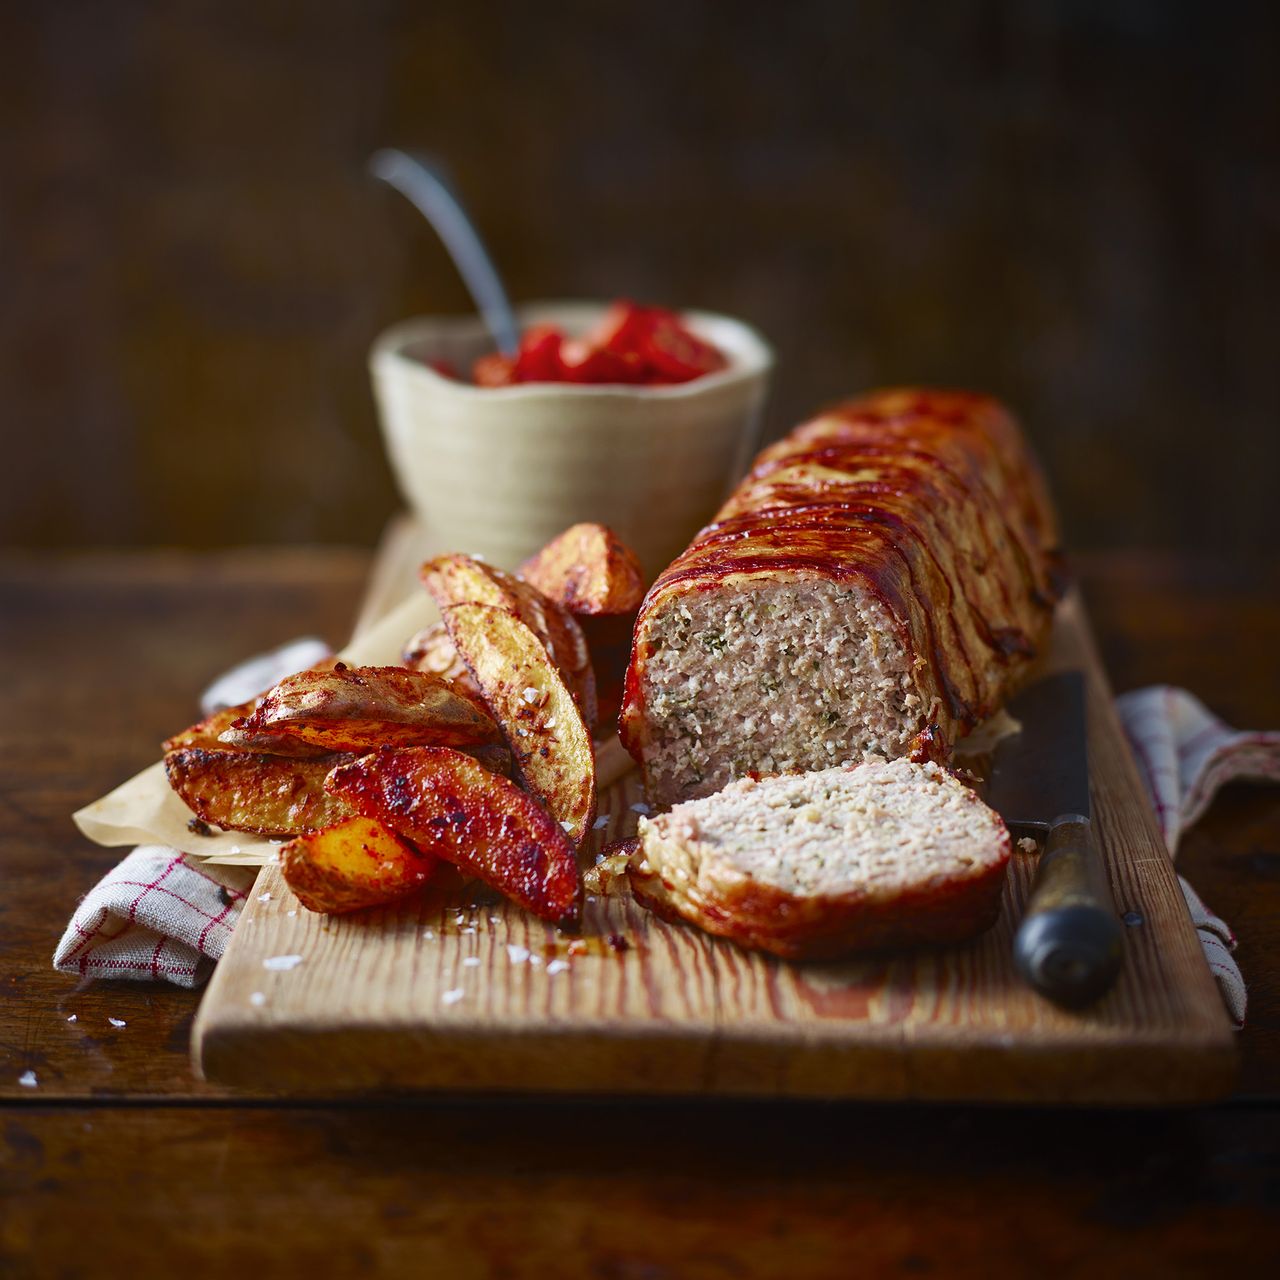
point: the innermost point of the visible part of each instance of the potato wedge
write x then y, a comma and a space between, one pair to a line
588, 570
265, 795
432, 651
208, 732
452, 808
538, 715
363, 708
354, 864
459, 579
237, 738
609, 643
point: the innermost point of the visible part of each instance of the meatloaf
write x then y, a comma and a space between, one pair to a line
819, 865
878, 583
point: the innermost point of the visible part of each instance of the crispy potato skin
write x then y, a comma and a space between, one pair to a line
588, 570
355, 864
265, 795
538, 715
457, 579
450, 807
362, 708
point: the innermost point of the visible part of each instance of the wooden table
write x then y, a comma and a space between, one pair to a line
120, 1163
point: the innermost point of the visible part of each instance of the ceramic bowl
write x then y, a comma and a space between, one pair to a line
499, 471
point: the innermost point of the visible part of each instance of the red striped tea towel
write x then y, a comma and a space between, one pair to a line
158, 915
1185, 753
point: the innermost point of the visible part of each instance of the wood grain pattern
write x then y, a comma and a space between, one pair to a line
427, 995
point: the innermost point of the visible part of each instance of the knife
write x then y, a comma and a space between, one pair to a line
1068, 945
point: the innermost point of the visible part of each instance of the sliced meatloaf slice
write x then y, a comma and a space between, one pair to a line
824, 864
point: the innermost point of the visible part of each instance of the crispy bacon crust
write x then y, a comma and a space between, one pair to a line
929, 500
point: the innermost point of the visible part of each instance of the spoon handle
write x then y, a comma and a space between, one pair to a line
421, 181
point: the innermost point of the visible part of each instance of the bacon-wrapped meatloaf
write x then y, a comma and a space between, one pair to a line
881, 579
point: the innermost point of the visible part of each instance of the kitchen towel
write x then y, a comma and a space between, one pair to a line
161, 915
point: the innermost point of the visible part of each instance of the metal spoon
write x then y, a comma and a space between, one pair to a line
422, 181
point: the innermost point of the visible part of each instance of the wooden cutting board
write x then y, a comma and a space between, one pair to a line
459, 990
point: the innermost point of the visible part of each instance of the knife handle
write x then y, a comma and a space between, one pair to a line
1068, 946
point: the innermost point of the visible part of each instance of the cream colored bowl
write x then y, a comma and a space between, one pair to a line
499, 471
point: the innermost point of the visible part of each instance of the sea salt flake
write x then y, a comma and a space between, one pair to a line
551, 724
640, 807
117, 1022
73, 1018
516, 953
452, 997
264, 897
282, 963
470, 962
530, 694
601, 822
557, 966
566, 824
28, 1080
291, 913
258, 999
428, 934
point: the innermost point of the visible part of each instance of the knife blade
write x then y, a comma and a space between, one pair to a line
1068, 944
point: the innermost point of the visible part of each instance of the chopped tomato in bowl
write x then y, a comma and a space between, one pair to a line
632, 345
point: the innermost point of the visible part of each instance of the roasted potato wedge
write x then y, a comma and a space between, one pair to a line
538, 715
363, 708
265, 795
609, 642
237, 738
452, 808
432, 651
588, 570
457, 579
357, 863
208, 732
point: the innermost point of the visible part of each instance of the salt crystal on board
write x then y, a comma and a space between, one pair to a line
557, 966
640, 808
282, 963
258, 998
470, 962
601, 822
516, 953
566, 824
452, 997
264, 897
117, 1022
73, 1018
28, 1080
530, 694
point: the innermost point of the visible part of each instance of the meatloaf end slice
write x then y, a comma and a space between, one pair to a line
824, 864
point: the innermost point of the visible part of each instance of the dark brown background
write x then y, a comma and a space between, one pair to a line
1074, 205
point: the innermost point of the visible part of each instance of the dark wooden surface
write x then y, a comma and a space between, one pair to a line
1069, 204
119, 1163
